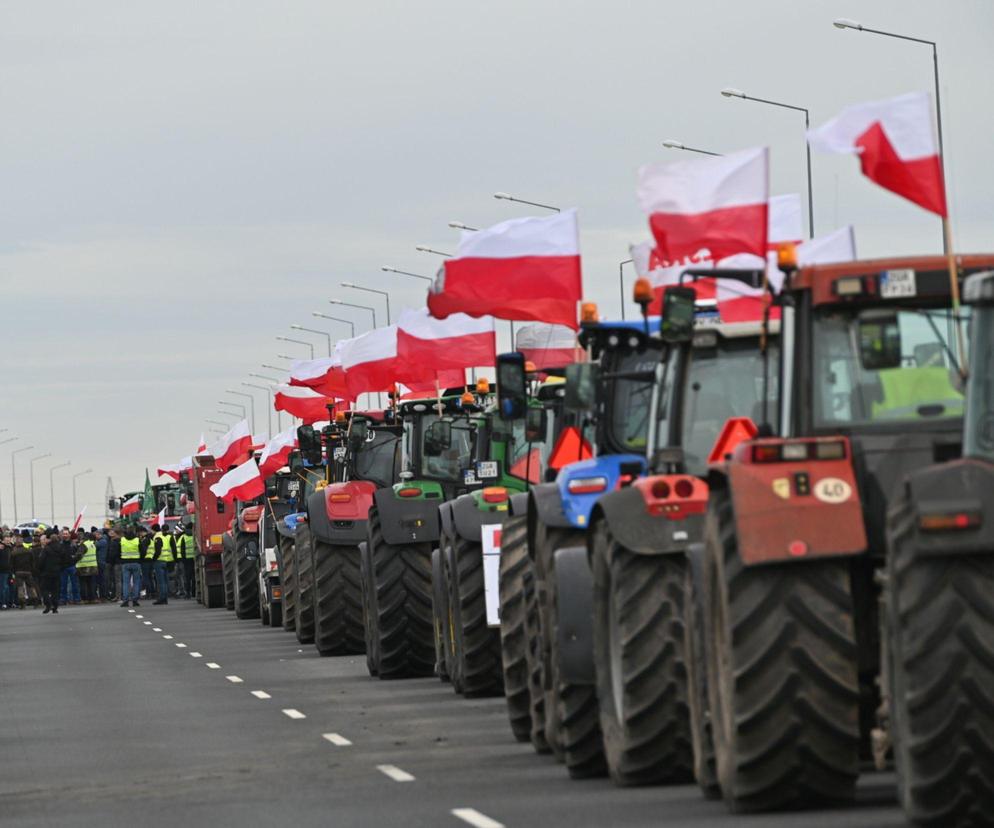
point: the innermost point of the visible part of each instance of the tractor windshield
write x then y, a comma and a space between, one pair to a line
628, 399
920, 381
452, 461
376, 461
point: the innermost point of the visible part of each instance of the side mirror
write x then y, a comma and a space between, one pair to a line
358, 432
309, 442
512, 388
536, 423
438, 438
677, 322
581, 386
879, 341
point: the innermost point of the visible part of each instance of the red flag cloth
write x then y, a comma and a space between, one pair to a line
277, 452
305, 403
707, 208
174, 470
548, 346
527, 269
896, 143
456, 342
233, 447
242, 483
131, 505
325, 375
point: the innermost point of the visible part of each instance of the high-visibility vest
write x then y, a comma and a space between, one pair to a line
130, 550
166, 555
89, 556
186, 547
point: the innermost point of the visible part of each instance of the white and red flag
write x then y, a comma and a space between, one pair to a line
174, 470
896, 143
305, 403
161, 518
202, 445
370, 360
79, 520
131, 505
707, 208
242, 483
548, 346
233, 447
527, 269
324, 374
277, 452
456, 342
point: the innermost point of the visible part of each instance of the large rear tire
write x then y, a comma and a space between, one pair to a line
533, 633
228, 572
246, 577
440, 612
369, 609
276, 614
640, 663
514, 561
338, 628
782, 675
288, 578
939, 627
304, 571
478, 644
453, 656
403, 621
215, 596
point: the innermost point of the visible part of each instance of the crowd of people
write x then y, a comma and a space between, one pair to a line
53, 567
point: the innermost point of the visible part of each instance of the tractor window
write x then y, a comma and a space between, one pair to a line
377, 460
526, 460
925, 386
628, 400
451, 463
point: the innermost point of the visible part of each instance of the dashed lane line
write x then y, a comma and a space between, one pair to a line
213, 666
195, 654
181, 645
168, 637
475, 818
293, 713
395, 773
156, 629
336, 739
139, 616
261, 694
234, 679
130, 610
147, 623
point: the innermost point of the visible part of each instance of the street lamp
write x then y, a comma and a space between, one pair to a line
388, 269
251, 400
8, 440
272, 368
846, 23
229, 414
423, 248
239, 406
732, 92
351, 305
348, 322
315, 331
217, 422
671, 143
621, 284
13, 475
506, 197
287, 357
458, 225
298, 342
51, 485
382, 293
74, 478
269, 395
31, 469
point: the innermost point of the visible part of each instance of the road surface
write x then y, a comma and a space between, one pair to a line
179, 716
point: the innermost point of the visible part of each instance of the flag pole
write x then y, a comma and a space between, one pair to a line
947, 236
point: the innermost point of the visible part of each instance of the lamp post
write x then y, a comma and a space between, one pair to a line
239, 406
621, 284
287, 357
75, 477
13, 475
458, 225
303, 342
506, 197
423, 248
230, 414
31, 470
218, 422
352, 305
730, 92
388, 269
269, 395
348, 322
315, 331
51, 485
251, 400
382, 293
2, 442
671, 143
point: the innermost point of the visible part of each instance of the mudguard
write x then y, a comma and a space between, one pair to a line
248, 518
548, 505
606, 470
519, 504
338, 513
407, 520
643, 533
574, 615
446, 519
467, 519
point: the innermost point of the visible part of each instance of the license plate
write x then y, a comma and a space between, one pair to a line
339, 453
486, 469
469, 477
898, 284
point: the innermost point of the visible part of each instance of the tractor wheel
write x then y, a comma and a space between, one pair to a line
705, 771
439, 612
288, 578
939, 628
263, 612
402, 589
514, 561
477, 644
640, 663
453, 651
369, 609
782, 677
228, 572
246, 580
276, 614
337, 600
304, 571
533, 635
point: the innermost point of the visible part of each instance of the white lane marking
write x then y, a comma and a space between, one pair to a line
180, 644
147, 623
336, 739
211, 665
156, 629
261, 694
234, 679
474, 817
395, 773
195, 655
168, 637
139, 616
293, 713
130, 610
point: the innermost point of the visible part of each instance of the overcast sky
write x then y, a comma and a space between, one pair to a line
182, 181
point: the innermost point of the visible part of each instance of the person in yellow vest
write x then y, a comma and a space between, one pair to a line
131, 568
187, 553
86, 568
165, 553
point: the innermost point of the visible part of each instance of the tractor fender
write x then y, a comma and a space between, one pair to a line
317, 517
248, 518
548, 505
468, 519
341, 522
574, 615
445, 518
407, 520
519, 504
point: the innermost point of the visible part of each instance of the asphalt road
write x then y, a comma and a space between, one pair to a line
153, 717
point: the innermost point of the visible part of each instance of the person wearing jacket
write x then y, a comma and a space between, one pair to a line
187, 553
69, 584
100, 582
6, 572
163, 554
22, 559
54, 557
129, 551
86, 568
145, 542
112, 572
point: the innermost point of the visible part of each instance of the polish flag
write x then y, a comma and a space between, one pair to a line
527, 268
78, 521
707, 208
324, 374
233, 446
548, 346
131, 505
176, 469
202, 445
241, 483
456, 342
896, 143
436, 380
161, 517
370, 360
277, 452
305, 403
